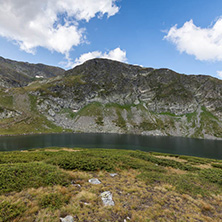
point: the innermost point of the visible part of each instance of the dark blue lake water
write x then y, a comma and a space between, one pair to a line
175, 145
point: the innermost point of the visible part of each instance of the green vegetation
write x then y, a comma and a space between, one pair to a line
70, 81
10, 211
184, 184
120, 121
16, 177
53, 201
100, 159
28, 124
146, 126
45, 184
209, 123
25, 157
191, 116
6, 100
33, 101
206, 113
188, 159
212, 175
99, 121
164, 162
55, 86
120, 107
217, 165
29, 120
92, 109
171, 92
168, 114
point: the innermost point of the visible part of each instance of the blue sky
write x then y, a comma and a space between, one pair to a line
126, 30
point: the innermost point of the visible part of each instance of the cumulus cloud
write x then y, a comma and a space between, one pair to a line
204, 43
219, 73
52, 24
115, 54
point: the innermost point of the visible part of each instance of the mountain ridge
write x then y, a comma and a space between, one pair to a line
17, 74
103, 95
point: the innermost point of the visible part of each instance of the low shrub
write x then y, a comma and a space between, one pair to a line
212, 175
81, 161
92, 160
16, 177
24, 157
217, 165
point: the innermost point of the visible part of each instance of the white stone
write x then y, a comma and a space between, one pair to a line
51, 112
67, 219
107, 198
94, 181
113, 174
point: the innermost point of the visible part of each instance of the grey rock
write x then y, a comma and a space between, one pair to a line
51, 112
113, 174
107, 198
94, 181
68, 218
5, 113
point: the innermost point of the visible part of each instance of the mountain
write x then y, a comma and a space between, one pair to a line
108, 96
16, 74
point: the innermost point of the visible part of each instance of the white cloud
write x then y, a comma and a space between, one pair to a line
204, 43
115, 54
219, 73
52, 24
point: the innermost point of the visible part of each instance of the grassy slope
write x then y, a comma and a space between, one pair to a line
30, 120
36, 185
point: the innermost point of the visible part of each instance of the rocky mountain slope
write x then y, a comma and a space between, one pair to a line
16, 74
107, 96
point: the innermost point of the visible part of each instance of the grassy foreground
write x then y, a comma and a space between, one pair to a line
45, 184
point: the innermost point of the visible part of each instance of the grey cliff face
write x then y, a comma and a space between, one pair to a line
161, 90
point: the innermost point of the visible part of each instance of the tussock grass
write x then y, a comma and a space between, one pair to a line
10, 211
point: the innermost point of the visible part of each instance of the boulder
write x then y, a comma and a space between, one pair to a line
94, 181
107, 198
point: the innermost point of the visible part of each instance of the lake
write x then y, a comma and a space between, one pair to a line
175, 145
